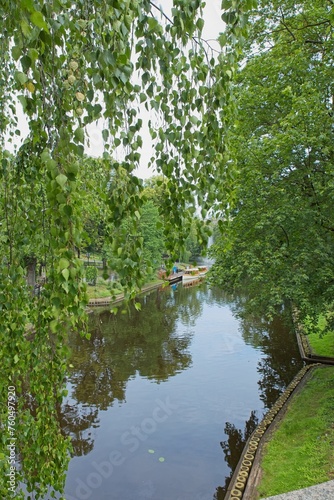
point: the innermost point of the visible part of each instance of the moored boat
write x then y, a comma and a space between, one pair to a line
190, 274
202, 270
193, 282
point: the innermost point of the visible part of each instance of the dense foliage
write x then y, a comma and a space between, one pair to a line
279, 240
67, 64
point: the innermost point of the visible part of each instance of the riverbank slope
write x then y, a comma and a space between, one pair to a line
292, 448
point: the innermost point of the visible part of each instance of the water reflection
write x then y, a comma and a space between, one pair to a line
77, 422
233, 447
277, 341
125, 344
186, 345
121, 346
277, 367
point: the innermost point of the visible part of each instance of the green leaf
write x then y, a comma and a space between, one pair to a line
194, 120
200, 24
226, 4
26, 63
65, 273
16, 52
63, 263
72, 168
152, 23
33, 54
105, 134
20, 77
68, 210
28, 4
25, 28
38, 20
61, 179
79, 134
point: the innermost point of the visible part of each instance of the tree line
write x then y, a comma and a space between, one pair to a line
278, 240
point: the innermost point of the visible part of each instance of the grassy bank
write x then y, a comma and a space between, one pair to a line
301, 450
319, 336
102, 289
322, 345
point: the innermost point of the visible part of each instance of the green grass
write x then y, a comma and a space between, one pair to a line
154, 281
102, 288
301, 452
322, 345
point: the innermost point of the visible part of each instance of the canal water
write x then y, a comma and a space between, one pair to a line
161, 401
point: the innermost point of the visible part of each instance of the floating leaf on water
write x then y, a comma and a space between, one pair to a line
161, 459
150, 451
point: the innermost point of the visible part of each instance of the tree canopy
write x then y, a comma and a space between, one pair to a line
279, 240
68, 64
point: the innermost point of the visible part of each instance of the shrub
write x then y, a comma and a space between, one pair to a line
91, 275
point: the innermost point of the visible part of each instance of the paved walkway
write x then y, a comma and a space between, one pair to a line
323, 491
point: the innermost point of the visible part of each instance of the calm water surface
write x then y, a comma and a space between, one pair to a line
161, 401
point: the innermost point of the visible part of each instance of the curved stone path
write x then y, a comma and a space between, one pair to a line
323, 491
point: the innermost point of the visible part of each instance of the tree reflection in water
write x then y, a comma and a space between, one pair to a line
76, 421
277, 340
121, 346
233, 448
281, 361
155, 344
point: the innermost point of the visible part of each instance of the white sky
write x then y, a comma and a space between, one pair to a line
213, 26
